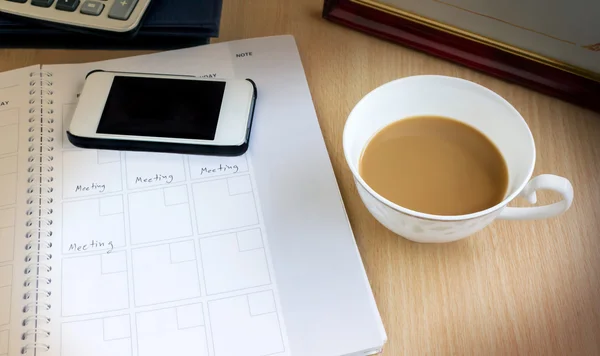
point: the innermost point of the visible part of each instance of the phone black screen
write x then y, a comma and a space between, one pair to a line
162, 107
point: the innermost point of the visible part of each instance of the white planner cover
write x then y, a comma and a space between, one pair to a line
151, 254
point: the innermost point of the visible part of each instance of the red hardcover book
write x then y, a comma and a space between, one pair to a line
576, 84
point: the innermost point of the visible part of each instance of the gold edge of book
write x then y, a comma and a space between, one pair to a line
480, 39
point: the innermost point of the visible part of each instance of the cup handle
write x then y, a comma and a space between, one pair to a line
544, 181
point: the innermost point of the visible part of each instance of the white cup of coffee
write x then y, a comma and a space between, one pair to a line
468, 103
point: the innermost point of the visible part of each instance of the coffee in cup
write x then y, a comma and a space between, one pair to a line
435, 165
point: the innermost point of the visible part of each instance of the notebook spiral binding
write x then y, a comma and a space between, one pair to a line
39, 222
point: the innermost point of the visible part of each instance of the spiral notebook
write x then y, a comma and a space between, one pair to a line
108, 253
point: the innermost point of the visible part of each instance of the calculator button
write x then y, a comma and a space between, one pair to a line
93, 8
21, 1
67, 5
122, 9
42, 3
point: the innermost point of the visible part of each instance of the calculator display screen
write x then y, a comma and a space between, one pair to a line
162, 107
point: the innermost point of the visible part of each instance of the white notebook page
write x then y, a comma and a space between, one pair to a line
19, 120
169, 254
159, 253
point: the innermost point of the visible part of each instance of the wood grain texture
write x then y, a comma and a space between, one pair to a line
516, 288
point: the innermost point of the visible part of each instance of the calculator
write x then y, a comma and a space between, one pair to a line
103, 16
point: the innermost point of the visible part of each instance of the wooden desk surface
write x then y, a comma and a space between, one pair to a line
528, 288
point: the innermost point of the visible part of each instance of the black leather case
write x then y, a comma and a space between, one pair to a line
168, 24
